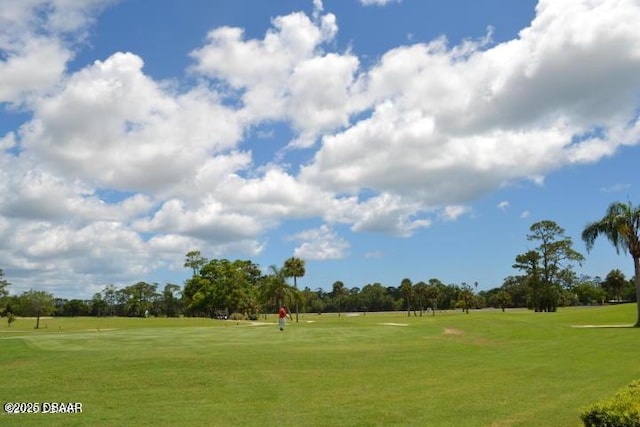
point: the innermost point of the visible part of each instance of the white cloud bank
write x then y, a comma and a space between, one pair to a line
410, 140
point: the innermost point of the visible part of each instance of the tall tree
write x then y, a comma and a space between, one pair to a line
275, 286
195, 261
549, 265
171, 296
614, 283
503, 298
421, 290
466, 297
37, 304
110, 298
406, 287
434, 293
4, 292
338, 292
294, 267
223, 285
621, 226
98, 305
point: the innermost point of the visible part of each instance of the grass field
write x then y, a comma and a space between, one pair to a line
486, 368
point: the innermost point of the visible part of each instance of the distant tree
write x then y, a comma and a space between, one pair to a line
275, 287
36, 304
621, 226
421, 292
98, 305
466, 297
294, 267
614, 284
374, 297
435, 289
406, 287
529, 262
516, 287
195, 261
10, 318
110, 298
74, 307
223, 285
353, 300
199, 297
316, 300
140, 298
171, 305
4, 292
503, 298
549, 266
338, 292
588, 293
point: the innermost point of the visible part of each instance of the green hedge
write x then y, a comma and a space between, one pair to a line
622, 410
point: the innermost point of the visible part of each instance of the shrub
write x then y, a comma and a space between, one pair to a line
622, 410
237, 316
10, 318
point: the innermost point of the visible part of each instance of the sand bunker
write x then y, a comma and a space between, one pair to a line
451, 331
393, 324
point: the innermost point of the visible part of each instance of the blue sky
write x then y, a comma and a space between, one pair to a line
377, 140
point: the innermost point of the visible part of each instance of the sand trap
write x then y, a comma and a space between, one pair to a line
311, 321
393, 324
451, 331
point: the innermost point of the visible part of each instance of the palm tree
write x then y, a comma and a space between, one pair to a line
407, 290
420, 289
294, 267
276, 287
338, 292
621, 225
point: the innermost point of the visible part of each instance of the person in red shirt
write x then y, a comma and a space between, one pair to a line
282, 316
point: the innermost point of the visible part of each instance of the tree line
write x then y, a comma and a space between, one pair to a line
222, 288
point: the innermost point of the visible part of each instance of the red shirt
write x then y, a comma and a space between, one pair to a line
282, 313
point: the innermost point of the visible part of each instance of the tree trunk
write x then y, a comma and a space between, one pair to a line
38, 321
636, 263
295, 284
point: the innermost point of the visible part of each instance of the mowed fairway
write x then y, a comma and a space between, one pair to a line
486, 368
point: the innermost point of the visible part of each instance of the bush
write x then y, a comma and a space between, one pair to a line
622, 410
237, 316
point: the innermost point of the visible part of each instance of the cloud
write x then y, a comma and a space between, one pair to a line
113, 126
320, 244
32, 42
503, 205
525, 214
374, 255
285, 75
451, 213
616, 188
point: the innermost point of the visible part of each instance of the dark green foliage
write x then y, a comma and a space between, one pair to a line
10, 318
621, 226
622, 410
547, 269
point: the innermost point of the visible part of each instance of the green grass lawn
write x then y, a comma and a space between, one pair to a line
486, 368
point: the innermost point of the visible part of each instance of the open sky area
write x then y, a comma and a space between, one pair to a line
375, 139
